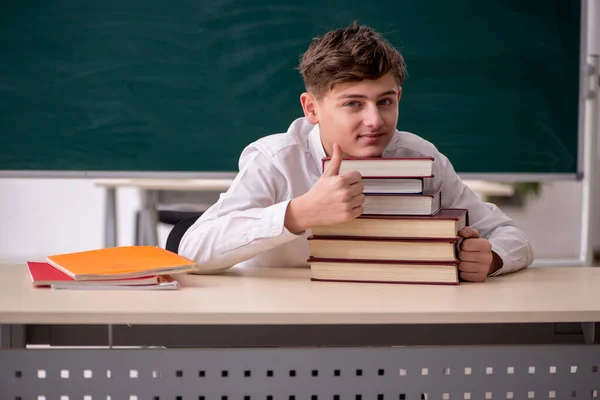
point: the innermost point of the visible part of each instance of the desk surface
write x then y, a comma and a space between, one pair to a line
287, 296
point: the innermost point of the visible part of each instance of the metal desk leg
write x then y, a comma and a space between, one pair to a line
110, 218
149, 217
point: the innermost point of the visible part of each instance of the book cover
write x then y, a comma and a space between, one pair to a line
427, 203
453, 214
121, 262
377, 248
394, 185
380, 168
384, 271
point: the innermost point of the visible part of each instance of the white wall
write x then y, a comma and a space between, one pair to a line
39, 217
552, 221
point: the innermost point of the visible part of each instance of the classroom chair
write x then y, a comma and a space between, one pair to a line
177, 233
169, 217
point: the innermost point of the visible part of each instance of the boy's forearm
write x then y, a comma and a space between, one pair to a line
512, 248
220, 243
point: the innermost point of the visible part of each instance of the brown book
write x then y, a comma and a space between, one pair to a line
372, 248
426, 203
445, 224
384, 272
378, 167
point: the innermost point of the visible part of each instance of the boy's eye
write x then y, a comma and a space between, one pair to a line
352, 104
385, 102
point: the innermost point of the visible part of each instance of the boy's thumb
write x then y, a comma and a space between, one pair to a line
335, 162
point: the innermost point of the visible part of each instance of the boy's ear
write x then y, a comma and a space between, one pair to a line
399, 93
309, 105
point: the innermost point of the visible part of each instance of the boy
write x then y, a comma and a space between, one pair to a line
353, 80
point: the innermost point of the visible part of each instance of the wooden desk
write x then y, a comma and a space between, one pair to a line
154, 190
287, 296
246, 298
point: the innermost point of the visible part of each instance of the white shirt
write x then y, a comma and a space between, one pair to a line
246, 225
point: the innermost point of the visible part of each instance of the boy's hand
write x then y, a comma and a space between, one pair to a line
333, 199
477, 259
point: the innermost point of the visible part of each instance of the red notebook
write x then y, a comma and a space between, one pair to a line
43, 274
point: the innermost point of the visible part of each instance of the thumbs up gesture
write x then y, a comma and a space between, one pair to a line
333, 199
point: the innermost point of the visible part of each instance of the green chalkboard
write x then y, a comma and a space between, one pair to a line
183, 85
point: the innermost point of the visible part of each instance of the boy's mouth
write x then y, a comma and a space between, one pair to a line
370, 138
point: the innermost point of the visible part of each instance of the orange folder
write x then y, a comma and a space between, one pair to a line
121, 262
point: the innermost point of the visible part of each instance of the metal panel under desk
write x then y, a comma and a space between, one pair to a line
392, 373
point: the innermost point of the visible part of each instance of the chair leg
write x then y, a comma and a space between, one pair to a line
138, 229
149, 217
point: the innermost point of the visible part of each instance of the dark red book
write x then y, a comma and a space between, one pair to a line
379, 167
388, 249
376, 271
445, 224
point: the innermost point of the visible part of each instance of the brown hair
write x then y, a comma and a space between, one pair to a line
348, 55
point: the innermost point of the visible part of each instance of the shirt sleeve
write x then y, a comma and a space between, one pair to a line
248, 219
507, 239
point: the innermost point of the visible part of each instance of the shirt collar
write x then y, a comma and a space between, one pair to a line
316, 147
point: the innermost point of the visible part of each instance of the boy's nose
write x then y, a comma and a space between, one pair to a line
373, 118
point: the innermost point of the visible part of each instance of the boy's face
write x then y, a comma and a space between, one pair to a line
359, 116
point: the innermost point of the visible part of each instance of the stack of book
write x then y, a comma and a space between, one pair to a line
114, 268
403, 236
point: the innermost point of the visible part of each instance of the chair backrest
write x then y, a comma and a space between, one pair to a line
177, 233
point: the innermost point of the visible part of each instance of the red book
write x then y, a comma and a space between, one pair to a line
43, 274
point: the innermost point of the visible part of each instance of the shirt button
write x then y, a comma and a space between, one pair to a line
273, 229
